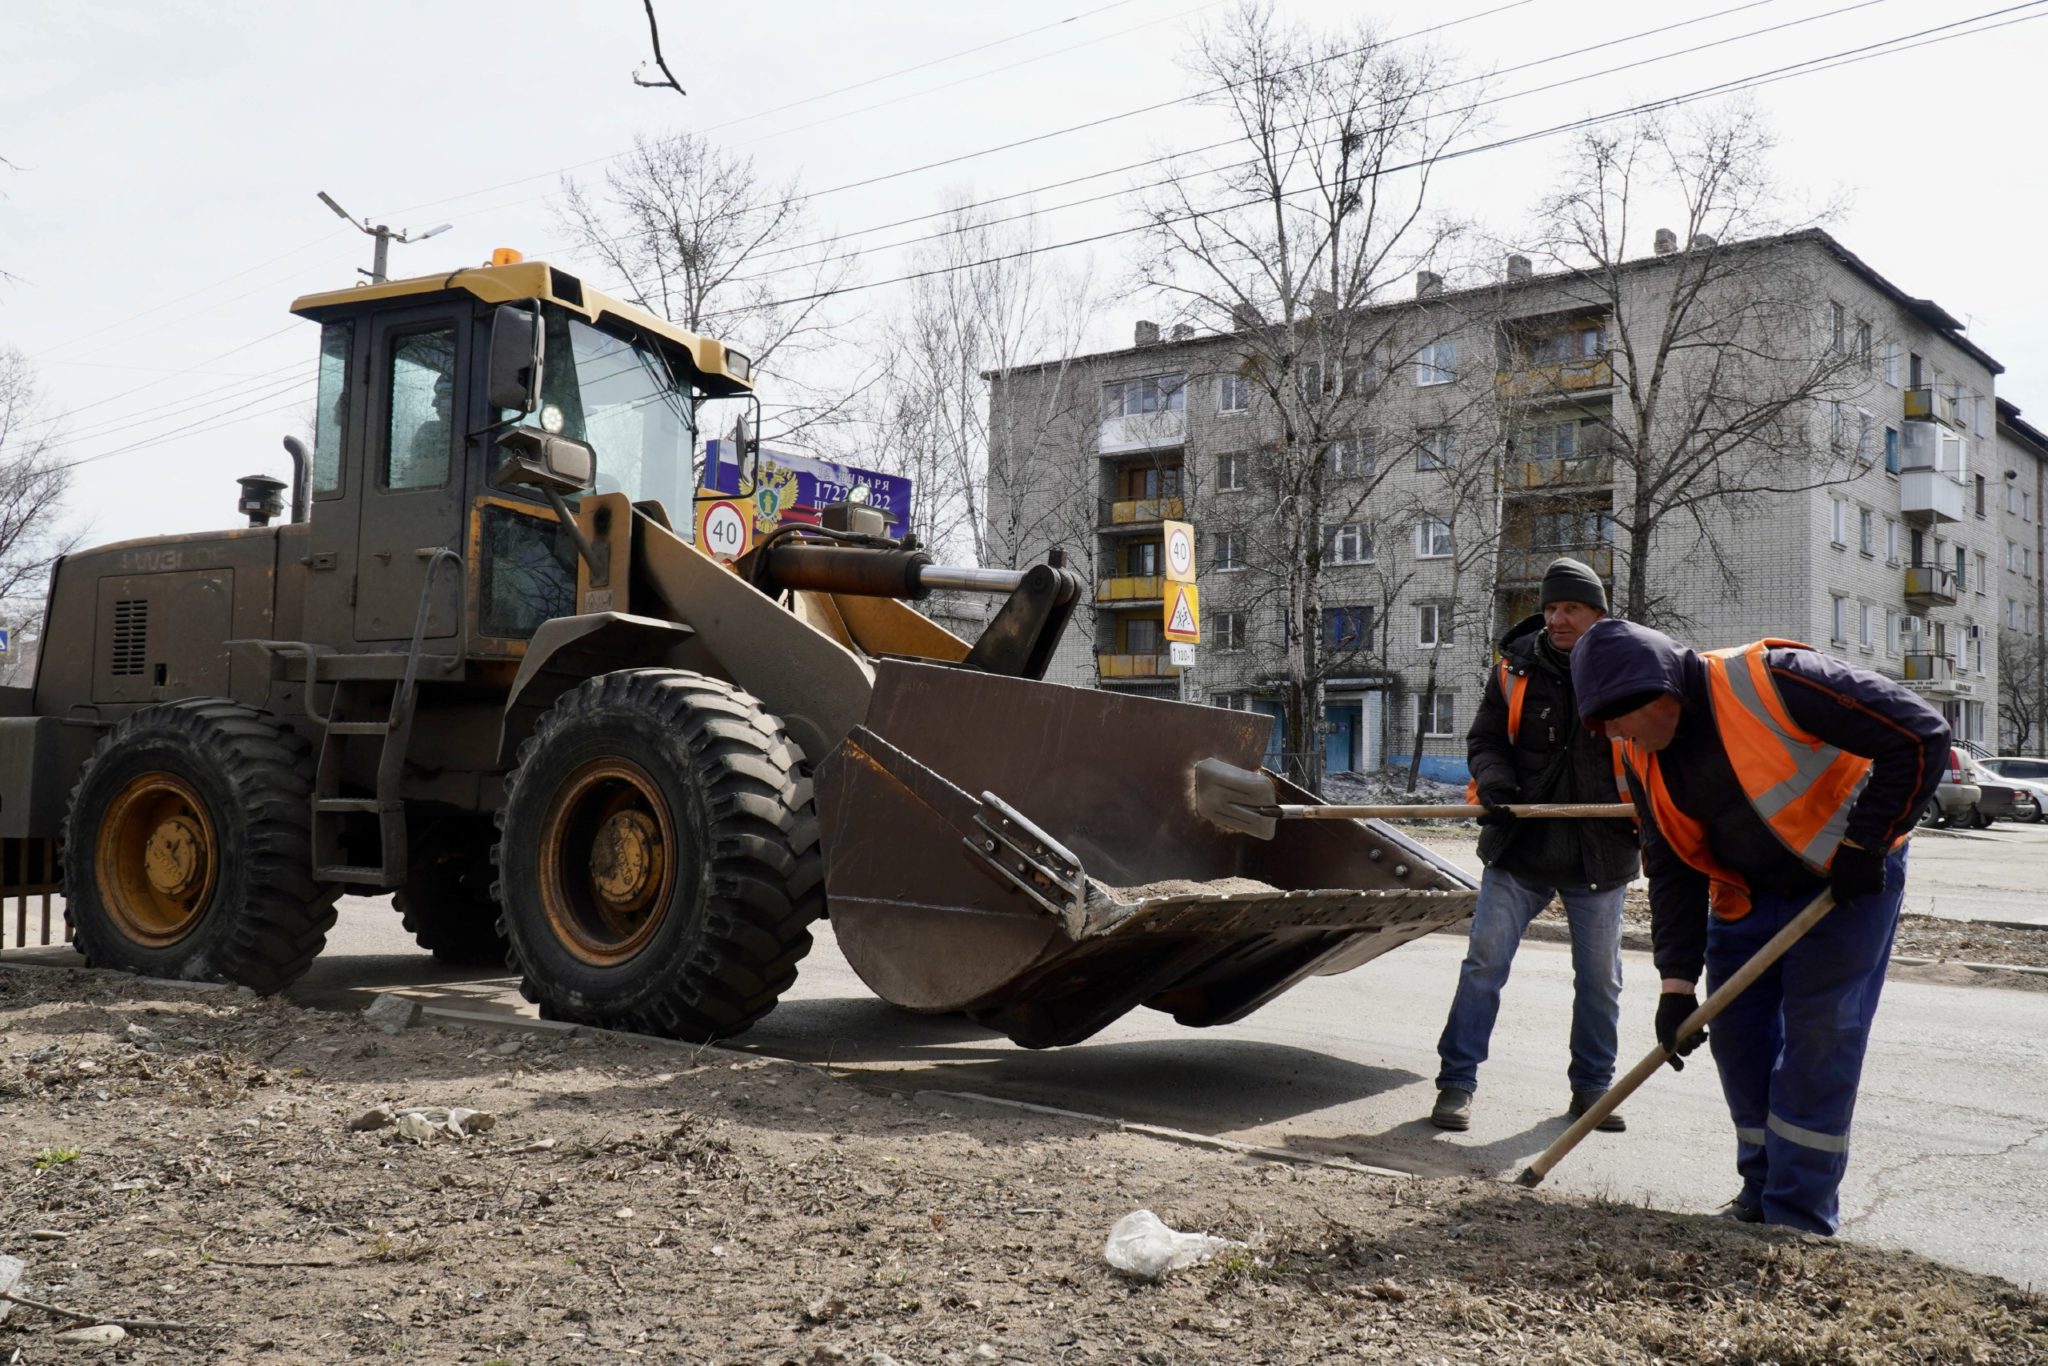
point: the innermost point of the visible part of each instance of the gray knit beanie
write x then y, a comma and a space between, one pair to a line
1569, 580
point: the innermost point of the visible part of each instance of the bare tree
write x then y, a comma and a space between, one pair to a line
2022, 691
1721, 359
32, 487
1293, 240
702, 239
983, 308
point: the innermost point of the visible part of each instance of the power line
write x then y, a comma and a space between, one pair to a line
1845, 57
1196, 151
151, 384
205, 399
1386, 128
148, 442
764, 113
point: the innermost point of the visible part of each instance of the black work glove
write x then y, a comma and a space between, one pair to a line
1495, 797
1856, 873
1672, 1009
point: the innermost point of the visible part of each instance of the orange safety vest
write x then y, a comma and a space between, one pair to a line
1512, 687
1801, 786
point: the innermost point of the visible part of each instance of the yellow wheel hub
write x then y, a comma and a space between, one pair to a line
607, 861
156, 859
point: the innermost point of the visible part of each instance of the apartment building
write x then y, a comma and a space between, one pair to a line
1874, 522
2022, 462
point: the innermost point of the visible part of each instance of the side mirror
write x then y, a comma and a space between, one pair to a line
513, 379
538, 459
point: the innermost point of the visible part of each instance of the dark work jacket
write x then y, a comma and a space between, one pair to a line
1553, 759
1852, 709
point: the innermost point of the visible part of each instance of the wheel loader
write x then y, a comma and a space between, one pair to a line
484, 667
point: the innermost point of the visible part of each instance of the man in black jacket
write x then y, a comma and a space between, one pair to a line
1526, 745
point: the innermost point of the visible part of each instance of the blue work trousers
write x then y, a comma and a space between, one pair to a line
1790, 1048
1506, 906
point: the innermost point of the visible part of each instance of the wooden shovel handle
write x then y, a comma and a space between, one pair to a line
1773, 950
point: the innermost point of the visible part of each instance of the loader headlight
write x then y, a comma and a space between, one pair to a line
737, 365
551, 418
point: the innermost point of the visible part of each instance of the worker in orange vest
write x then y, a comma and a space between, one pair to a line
1762, 775
1526, 745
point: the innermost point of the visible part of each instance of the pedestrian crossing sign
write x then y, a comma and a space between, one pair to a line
1183, 613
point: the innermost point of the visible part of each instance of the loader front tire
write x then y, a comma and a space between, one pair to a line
658, 859
446, 903
188, 849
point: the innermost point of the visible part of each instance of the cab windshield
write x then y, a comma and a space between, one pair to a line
624, 401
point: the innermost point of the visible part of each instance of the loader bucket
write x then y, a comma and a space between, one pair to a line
1031, 854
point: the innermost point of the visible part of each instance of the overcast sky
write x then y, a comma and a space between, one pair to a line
162, 214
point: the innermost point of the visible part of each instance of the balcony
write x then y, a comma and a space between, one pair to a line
1581, 472
1142, 432
1561, 380
1132, 589
1518, 566
1112, 667
1930, 585
1930, 673
1137, 512
1925, 403
1929, 496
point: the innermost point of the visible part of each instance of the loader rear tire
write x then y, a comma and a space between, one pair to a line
188, 849
446, 902
658, 858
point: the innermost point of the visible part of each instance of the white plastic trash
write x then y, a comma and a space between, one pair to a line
1142, 1245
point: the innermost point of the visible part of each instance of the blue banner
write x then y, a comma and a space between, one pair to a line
794, 488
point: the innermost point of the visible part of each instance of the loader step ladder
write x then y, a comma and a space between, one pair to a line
354, 701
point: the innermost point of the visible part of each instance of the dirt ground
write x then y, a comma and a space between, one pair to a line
187, 1156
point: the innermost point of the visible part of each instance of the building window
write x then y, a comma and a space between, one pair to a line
1226, 630
1838, 522
2012, 614
1962, 555
1980, 495
1863, 342
1233, 394
1308, 379
1436, 448
1837, 430
1891, 450
1977, 407
1866, 531
1230, 472
1435, 625
1360, 376
1152, 394
1891, 364
1836, 321
1142, 635
1439, 713
1436, 363
1432, 539
1347, 628
1350, 543
1352, 458
1557, 348
1838, 620
1551, 441
1865, 619
1224, 551
1231, 701
1891, 632
1891, 541
1983, 572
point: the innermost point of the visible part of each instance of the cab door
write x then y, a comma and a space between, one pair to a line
415, 437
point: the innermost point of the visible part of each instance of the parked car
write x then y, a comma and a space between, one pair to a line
2031, 774
1996, 800
1952, 803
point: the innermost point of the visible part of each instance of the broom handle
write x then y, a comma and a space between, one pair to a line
1562, 810
1770, 953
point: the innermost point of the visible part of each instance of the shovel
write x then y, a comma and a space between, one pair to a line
1247, 803
1533, 1174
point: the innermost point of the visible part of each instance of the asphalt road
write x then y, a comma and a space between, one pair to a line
1951, 1142
1950, 1147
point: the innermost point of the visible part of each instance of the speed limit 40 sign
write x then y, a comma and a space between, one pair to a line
1180, 552
723, 531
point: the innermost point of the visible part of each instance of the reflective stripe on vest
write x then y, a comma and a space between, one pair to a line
1512, 687
1801, 787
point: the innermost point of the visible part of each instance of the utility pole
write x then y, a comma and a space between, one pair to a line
385, 237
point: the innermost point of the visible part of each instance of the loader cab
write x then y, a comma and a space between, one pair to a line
409, 447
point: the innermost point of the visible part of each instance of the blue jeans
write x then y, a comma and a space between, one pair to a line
1790, 1048
1506, 906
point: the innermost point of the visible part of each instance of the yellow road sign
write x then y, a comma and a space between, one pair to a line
1180, 552
724, 531
1183, 612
